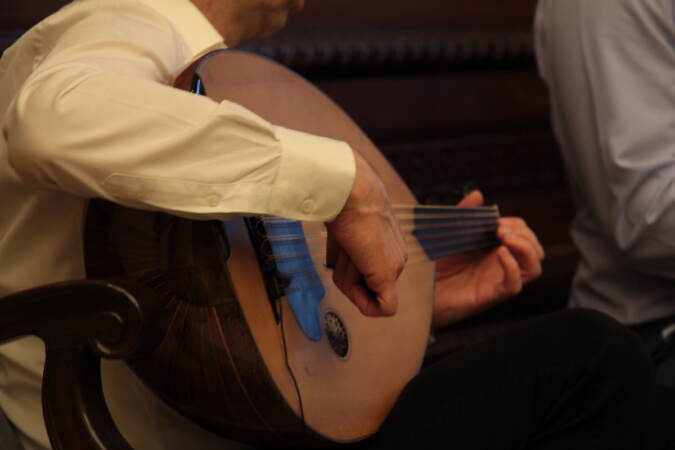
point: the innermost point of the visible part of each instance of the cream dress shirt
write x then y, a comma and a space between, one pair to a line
610, 68
88, 111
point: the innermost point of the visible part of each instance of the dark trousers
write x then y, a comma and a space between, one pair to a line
8, 437
662, 353
574, 380
661, 349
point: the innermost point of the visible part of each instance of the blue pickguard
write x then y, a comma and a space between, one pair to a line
293, 261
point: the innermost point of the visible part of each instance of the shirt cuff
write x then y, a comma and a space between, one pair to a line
314, 179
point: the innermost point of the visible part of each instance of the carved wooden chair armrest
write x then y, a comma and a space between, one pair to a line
80, 322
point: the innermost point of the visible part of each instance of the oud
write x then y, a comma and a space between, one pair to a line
261, 346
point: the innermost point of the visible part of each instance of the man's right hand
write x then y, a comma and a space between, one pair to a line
366, 246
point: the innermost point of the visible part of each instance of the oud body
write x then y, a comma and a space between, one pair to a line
235, 358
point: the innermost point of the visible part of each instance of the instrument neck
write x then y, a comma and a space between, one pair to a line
446, 230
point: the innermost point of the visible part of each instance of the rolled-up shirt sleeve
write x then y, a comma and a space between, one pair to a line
97, 119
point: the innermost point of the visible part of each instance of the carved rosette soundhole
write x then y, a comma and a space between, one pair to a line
336, 332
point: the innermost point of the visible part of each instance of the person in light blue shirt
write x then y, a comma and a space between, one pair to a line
610, 68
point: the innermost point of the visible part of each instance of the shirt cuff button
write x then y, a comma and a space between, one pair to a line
213, 200
307, 206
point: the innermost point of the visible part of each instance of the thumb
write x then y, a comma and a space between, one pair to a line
473, 198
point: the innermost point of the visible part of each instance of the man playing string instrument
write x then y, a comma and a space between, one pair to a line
88, 111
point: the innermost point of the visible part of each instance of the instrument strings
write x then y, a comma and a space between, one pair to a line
459, 230
430, 242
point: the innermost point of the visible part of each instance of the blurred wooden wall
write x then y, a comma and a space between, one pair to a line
344, 13
448, 89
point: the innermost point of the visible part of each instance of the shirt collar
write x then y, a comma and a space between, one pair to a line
200, 36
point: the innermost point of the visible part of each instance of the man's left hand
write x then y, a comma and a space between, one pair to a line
471, 282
